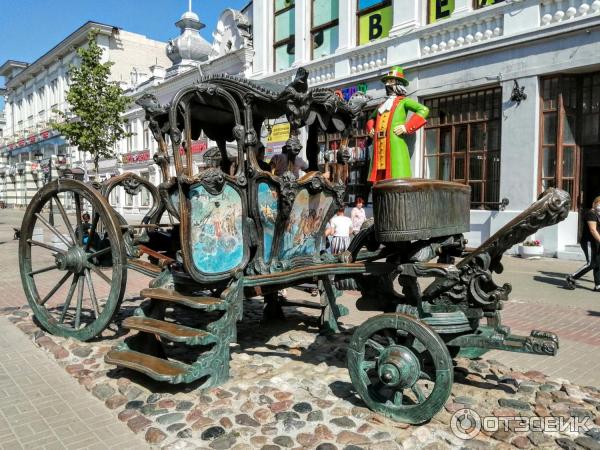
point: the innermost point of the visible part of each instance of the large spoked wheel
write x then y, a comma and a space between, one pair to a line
73, 271
400, 367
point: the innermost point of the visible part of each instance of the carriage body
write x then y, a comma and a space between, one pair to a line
235, 230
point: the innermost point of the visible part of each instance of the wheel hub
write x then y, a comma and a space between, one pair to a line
398, 367
75, 260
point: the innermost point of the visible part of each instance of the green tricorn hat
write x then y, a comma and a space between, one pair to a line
396, 73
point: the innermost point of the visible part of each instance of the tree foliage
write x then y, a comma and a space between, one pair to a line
94, 119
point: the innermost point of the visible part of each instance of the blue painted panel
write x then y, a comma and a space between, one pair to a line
268, 209
302, 237
216, 230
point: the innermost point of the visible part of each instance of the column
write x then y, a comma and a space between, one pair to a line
302, 11
406, 16
347, 27
262, 30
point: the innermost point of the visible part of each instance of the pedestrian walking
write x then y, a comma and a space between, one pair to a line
341, 227
358, 215
590, 244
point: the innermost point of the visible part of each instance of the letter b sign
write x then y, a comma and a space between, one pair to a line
375, 28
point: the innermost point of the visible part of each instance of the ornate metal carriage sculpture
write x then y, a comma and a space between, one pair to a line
243, 229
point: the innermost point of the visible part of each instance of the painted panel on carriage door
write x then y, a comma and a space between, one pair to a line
302, 237
216, 230
268, 208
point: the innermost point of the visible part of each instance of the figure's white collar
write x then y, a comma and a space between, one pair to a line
387, 105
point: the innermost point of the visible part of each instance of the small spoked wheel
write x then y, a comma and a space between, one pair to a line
72, 259
400, 367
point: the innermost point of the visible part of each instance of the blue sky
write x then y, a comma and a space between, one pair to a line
32, 27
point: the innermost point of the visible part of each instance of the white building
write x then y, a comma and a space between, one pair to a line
464, 60
33, 91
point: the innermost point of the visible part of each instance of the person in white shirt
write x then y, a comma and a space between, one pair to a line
358, 215
341, 227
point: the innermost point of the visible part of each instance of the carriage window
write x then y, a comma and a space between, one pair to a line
374, 20
325, 30
285, 29
462, 143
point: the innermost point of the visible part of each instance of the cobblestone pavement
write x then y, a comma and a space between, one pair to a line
290, 387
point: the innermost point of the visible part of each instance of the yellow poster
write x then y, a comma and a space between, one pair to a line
279, 133
375, 25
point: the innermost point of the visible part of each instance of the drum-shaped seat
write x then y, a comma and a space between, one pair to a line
409, 209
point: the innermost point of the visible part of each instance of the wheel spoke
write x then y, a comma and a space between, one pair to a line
45, 269
74, 284
375, 345
424, 376
104, 251
78, 218
66, 220
100, 274
388, 335
92, 230
46, 246
54, 230
418, 392
368, 365
90, 283
398, 397
80, 286
55, 288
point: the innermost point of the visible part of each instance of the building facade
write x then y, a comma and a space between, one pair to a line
470, 62
33, 92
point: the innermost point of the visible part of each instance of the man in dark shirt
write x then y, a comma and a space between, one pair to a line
590, 244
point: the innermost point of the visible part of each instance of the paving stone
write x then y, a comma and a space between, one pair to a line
587, 443
326, 446
212, 433
521, 442
201, 423
185, 434
168, 419
115, 401
138, 424
284, 441
263, 415
539, 439
184, 405
514, 403
103, 391
566, 444
343, 422
135, 404
349, 437
82, 352
224, 442
127, 414
307, 439
302, 407
315, 416
166, 403
175, 427
153, 398
155, 435
246, 420
134, 392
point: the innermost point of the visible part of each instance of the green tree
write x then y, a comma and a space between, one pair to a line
94, 120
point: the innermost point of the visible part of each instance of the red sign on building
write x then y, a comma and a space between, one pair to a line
136, 157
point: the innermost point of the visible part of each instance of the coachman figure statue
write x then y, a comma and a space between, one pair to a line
388, 124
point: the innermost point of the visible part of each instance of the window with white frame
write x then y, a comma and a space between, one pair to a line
284, 34
324, 27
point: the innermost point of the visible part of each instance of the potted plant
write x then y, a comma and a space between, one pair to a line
531, 249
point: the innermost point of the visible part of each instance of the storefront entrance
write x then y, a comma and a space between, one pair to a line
590, 174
